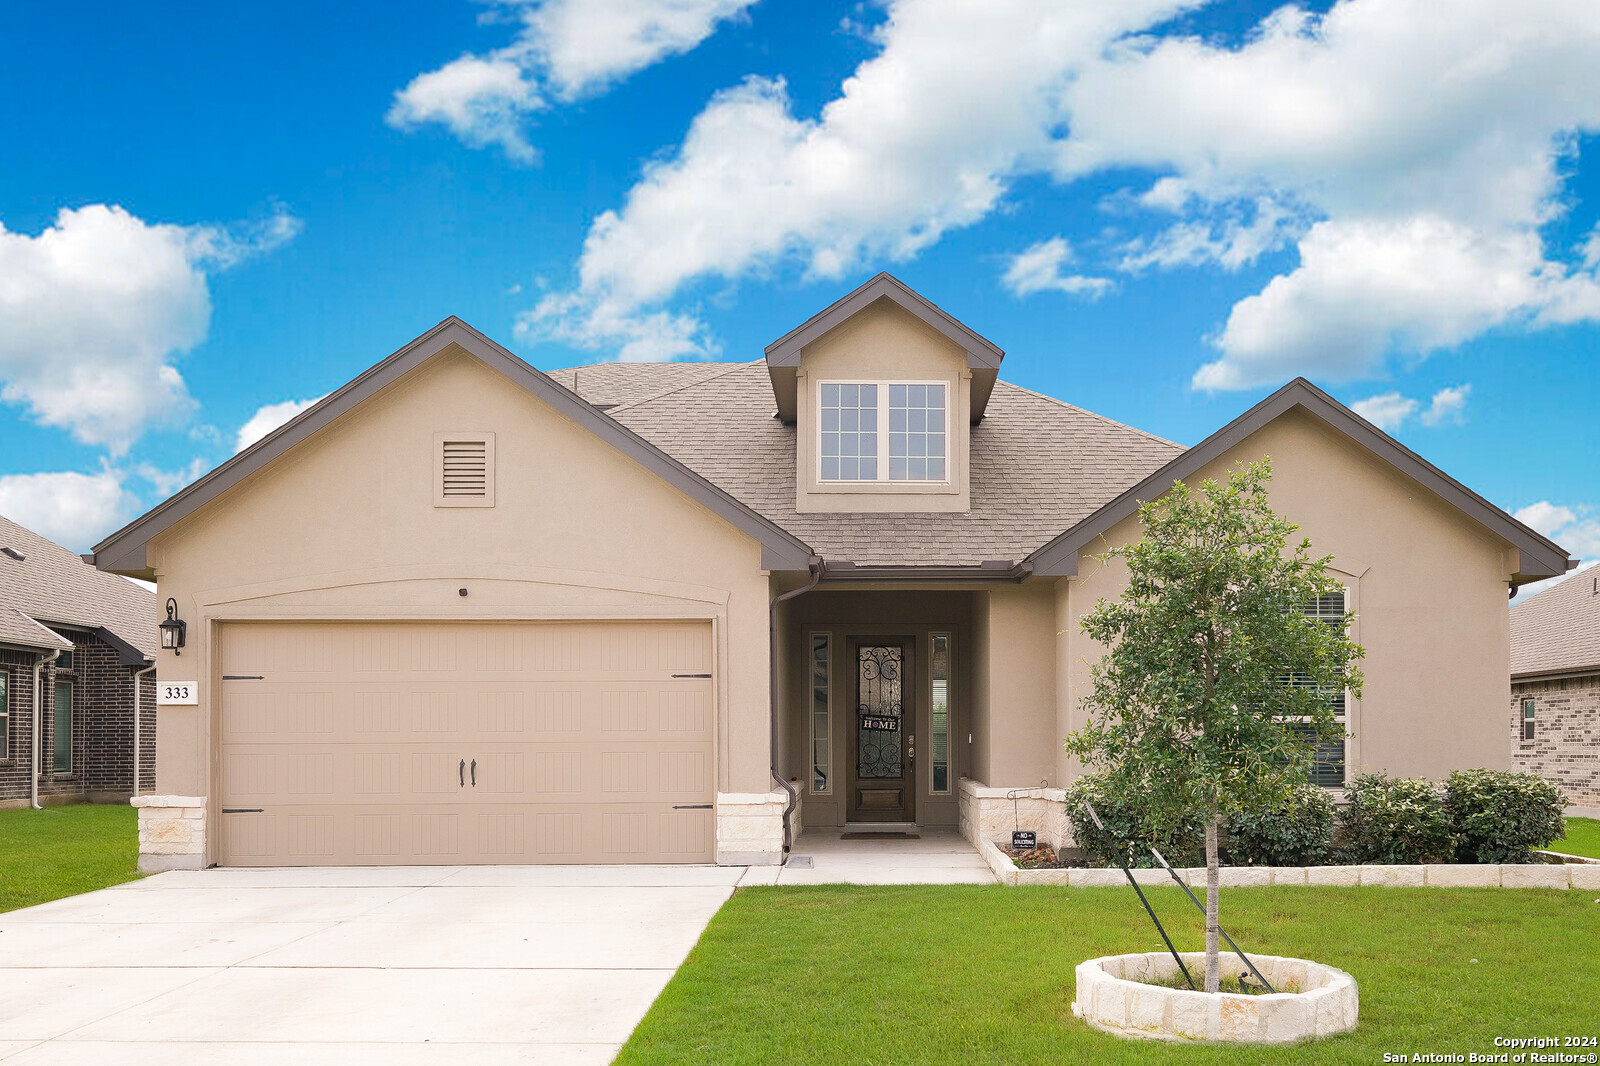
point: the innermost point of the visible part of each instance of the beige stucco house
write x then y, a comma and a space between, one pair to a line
463, 611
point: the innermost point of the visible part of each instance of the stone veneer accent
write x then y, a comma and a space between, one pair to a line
750, 827
1584, 876
1565, 749
172, 833
1113, 995
986, 813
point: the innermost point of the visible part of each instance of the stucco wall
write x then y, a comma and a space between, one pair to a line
883, 342
344, 527
1428, 587
1021, 676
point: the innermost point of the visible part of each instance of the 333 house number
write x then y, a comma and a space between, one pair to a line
177, 693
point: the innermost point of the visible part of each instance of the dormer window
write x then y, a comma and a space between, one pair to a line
854, 445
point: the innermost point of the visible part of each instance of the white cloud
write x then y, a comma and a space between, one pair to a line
1388, 411
168, 482
1408, 150
96, 309
565, 49
1448, 405
1039, 269
923, 138
74, 510
268, 418
1575, 529
482, 101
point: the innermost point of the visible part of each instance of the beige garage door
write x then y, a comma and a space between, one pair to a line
400, 743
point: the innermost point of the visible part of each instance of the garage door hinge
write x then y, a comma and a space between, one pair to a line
691, 675
243, 810
691, 806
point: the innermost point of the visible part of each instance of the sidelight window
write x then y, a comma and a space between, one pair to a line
941, 713
821, 736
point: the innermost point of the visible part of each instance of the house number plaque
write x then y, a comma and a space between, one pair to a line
177, 693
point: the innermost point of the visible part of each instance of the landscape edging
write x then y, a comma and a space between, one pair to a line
1432, 875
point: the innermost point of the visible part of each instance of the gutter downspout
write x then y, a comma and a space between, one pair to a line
138, 676
815, 565
33, 779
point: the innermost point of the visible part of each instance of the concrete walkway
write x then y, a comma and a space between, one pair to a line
936, 857
397, 966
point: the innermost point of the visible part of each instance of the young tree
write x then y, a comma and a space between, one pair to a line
1216, 685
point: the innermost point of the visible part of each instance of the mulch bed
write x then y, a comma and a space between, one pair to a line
1044, 857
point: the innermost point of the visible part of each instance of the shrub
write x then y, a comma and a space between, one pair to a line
1129, 832
1500, 816
1297, 832
1394, 820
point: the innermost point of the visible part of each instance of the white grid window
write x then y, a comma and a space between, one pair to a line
849, 432
916, 433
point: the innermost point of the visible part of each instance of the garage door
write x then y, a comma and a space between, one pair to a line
401, 743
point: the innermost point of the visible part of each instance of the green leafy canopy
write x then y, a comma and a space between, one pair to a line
1192, 709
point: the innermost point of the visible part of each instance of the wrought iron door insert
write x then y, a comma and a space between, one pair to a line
882, 732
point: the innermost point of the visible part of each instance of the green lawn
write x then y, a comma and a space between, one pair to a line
969, 974
1583, 838
61, 851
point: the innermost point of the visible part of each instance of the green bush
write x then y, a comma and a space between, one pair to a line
1394, 820
1128, 834
1298, 832
1500, 816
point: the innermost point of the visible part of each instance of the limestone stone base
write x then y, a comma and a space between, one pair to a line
172, 832
750, 827
1114, 995
987, 814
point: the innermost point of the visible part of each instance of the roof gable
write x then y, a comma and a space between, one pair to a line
1540, 556
783, 354
124, 550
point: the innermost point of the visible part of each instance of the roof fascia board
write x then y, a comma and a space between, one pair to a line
125, 549
981, 353
1556, 673
1541, 557
127, 654
850, 574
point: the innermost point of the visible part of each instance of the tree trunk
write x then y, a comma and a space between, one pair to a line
1213, 967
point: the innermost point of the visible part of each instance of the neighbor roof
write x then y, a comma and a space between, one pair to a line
50, 585
1558, 630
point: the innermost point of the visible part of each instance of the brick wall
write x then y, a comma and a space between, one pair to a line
102, 723
1565, 748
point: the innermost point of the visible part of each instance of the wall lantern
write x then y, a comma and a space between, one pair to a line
173, 629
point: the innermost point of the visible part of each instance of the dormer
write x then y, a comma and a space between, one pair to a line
882, 388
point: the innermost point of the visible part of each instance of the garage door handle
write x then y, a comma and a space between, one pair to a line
474, 773
691, 806
691, 675
463, 773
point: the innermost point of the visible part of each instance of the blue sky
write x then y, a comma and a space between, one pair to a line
1161, 211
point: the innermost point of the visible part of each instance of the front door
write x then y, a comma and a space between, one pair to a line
882, 741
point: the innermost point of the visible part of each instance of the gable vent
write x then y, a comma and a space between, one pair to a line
464, 470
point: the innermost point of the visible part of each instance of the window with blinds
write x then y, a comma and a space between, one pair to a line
463, 470
1329, 757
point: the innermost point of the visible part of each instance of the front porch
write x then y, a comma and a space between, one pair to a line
920, 856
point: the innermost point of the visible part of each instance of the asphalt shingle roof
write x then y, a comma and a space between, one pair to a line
53, 585
1558, 630
1038, 466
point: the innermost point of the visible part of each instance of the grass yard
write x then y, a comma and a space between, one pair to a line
1583, 838
61, 851
970, 974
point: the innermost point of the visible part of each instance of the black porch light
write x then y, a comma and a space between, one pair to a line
173, 629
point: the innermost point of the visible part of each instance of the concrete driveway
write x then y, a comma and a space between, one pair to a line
492, 964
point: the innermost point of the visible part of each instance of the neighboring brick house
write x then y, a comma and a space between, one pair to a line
1555, 688
81, 639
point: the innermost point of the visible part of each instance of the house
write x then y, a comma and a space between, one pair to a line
77, 677
1555, 689
461, 611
